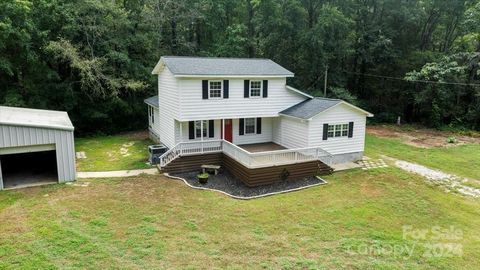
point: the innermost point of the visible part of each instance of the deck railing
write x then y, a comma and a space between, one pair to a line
190, 148
250, 160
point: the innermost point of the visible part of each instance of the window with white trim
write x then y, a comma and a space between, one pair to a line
215, 89
255, 88
199, 129
250, 125
337, 130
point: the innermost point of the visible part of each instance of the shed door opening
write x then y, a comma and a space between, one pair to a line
29, 169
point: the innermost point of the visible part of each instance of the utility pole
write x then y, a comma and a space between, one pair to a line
325, 83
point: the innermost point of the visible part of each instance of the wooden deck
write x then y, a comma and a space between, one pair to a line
261, 147
250, 177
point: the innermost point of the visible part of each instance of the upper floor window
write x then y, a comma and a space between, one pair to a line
215, 89
255, 88
250, 124
337, 130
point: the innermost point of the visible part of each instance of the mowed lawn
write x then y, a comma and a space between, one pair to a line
109, 153
157, 223
462, 160
151, 222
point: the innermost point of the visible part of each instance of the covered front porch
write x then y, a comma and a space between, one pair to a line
239, 131
261, 147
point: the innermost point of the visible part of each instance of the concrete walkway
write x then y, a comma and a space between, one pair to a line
116, 173
344, 166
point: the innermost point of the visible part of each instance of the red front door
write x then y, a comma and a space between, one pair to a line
228, 130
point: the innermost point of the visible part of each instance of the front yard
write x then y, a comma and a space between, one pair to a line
151, 222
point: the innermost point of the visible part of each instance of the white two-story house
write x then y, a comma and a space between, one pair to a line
247, 103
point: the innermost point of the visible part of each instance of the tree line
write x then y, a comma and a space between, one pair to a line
93, 58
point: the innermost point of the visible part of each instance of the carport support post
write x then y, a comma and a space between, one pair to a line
1, 178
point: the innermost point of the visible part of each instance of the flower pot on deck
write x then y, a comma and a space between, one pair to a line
202, 178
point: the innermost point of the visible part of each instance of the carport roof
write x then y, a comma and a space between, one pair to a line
35, 118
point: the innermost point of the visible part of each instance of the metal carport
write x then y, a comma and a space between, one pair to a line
29, 132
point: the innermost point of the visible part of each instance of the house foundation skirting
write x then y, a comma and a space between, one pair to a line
348, 157
249, 176
153, 136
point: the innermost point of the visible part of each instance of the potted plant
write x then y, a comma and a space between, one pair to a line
202, 178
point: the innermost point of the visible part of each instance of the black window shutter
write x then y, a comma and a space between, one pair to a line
241, 126
350, 130
225, 88
246, 88
325, 132
191, 130
259, 125
204, 89
265, 88
211, 129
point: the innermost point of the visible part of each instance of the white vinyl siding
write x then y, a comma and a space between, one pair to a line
265, 136
341, 114
168, 103
193, 107
291, 133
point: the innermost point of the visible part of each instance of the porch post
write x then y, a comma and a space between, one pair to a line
223, 129
1, 178
181, 131
201, 131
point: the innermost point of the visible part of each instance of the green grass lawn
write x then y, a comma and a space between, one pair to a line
153, 222
110, 153
463, 160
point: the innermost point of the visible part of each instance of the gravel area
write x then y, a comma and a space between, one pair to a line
227, 183
448, 181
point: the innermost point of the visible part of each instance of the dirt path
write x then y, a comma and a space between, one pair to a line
449, 182
420, 137
116, 173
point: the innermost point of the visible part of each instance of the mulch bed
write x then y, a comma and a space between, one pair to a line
226, 182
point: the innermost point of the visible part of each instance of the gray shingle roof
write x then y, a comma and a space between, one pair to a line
152, 101
179, 65
310, 107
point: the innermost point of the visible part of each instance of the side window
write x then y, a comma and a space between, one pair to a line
337, 130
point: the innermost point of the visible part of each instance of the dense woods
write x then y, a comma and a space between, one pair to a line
93, 58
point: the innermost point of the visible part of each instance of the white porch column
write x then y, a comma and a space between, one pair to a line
181, 131
223, 129
201, 130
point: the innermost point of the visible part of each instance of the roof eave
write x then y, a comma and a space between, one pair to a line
233, 76
298, 91
158, 67
368, 114
151, 104
56, 127
291, 116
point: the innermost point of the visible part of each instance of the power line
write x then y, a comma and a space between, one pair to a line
419, 81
